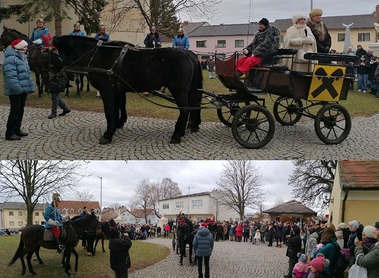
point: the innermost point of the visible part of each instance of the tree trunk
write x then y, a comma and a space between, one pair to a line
57, 17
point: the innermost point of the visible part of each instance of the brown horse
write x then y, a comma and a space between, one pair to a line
32, 238
34, 53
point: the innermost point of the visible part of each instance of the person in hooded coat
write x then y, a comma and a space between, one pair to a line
311, 243
299, 36
203, 246
18, 83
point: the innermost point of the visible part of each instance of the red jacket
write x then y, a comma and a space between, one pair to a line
238, 230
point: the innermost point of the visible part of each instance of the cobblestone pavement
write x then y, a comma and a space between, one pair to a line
76, 136
229, 259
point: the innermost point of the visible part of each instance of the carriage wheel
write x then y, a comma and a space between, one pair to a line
253, 126
286, 110
226, 113
332, 123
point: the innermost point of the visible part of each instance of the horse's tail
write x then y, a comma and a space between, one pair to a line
18, 253
199, 75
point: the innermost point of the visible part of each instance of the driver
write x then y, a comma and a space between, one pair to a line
53, 220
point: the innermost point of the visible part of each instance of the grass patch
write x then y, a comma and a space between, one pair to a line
357, 104
142, 254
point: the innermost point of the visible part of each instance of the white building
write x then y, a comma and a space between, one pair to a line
197, 206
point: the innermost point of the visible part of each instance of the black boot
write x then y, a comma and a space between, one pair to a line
60, 247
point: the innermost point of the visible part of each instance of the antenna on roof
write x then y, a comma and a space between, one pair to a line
248, 26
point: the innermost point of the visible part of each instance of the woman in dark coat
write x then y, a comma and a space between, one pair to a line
293, 247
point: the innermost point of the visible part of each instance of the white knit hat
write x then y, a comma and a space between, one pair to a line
19, 44
299, 15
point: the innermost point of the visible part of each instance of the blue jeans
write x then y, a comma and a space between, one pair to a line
362, 81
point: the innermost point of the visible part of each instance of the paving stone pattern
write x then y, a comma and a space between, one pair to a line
76, 136
229, 259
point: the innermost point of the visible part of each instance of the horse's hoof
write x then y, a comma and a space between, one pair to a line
194, 129
175, 141
104, 141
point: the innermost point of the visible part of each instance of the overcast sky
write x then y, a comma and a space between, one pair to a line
120, 178
243, 11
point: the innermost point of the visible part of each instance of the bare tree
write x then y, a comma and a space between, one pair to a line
143, 195
83, 196
32, 180
164, 189
240, 184
312, 181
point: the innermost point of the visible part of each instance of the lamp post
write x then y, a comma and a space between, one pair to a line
188, 208
101, 196
311, 4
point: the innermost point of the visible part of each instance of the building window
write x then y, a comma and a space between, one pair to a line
20, 223
341, 37
11, 213
20, 213
11, 224
166, 206
221, 43
36, 213
201, 43
239, 43
197, 204
179, 205
363, 37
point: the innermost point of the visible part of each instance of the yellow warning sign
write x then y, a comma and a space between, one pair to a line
326, 83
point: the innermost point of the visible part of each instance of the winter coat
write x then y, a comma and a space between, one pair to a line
181, 41
152, 40
299, 37
311, 244
270, 234
17, 76
339, 236
203, 242
278, 232
119, 251
294, 245
330, 252
323, 46
238, 230
369, 261
265, 42
77, 33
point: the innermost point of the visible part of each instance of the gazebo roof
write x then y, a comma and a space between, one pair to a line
291, 207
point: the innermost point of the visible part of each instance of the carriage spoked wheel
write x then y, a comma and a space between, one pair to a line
286, 110
332, 123
226, 112
253, 126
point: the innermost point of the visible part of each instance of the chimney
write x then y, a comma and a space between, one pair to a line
377, 13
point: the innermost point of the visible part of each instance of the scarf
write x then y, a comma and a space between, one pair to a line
318, 29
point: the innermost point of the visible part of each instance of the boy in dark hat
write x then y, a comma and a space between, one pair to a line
266, 41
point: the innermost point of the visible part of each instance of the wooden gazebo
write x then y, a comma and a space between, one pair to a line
292, 211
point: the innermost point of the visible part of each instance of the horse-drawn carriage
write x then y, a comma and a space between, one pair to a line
117, 67
323, 85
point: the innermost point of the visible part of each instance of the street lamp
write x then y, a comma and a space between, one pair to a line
101, 196
311, 4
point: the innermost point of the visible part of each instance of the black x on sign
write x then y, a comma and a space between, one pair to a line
326, 83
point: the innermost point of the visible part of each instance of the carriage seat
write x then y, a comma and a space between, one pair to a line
327, 58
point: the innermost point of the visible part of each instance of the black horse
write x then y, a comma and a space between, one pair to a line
34, 53
32, 238
115, 68
103, 233
185, 233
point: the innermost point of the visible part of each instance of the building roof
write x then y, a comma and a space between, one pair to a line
19, 205
77, 206
291, 207
189, 27
359, 174
207, 193
364, 21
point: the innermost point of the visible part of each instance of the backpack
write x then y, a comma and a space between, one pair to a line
342, 261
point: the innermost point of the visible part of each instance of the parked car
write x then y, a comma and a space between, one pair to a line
3, 231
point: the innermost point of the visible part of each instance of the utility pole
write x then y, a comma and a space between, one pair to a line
101, 196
